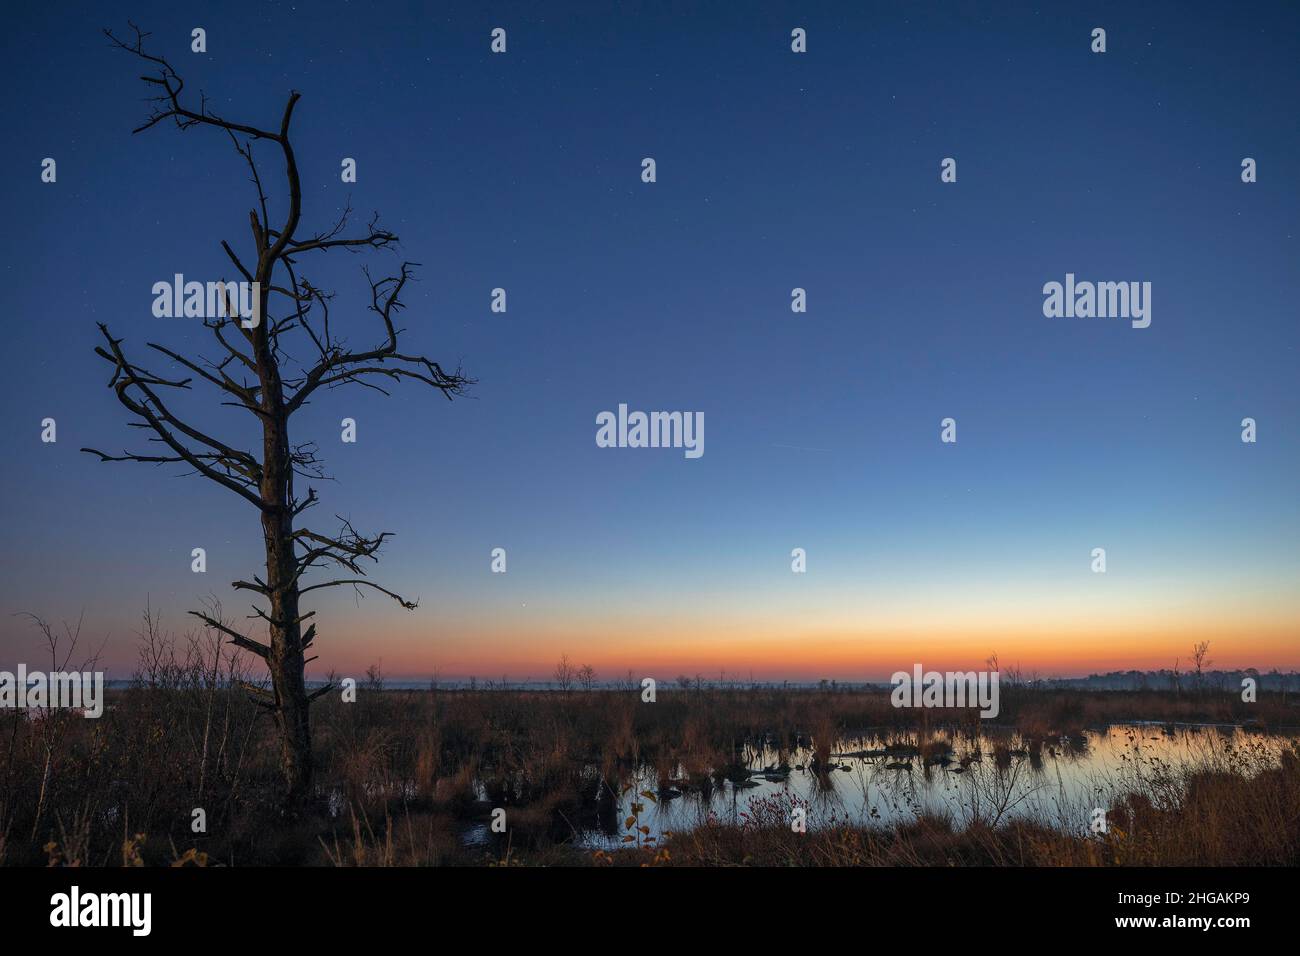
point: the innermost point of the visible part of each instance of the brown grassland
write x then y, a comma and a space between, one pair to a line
401, 774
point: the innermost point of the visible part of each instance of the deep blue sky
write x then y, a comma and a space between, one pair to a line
775, 170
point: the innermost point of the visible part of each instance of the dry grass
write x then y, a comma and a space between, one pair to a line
403, 775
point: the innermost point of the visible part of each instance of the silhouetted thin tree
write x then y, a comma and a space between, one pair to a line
1200, 662
254, 371
565, 674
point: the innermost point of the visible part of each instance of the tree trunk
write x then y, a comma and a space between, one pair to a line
285, 661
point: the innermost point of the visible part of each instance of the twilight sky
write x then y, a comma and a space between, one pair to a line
775, 170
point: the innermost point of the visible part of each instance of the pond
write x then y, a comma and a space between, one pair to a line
871, 779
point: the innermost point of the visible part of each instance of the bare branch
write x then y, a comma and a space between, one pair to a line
167, 104
357, 582
338, 367
239, 640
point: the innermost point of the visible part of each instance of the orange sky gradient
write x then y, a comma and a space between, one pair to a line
664, 646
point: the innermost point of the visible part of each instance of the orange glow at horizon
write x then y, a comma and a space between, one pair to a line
666, 647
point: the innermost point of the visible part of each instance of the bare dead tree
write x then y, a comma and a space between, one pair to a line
1201, 661
254, 371
565, 674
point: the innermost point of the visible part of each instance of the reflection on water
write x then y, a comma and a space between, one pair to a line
871, 780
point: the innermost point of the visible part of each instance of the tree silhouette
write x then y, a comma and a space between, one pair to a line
255, 372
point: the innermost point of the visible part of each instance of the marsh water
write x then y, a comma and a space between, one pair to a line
993, 777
